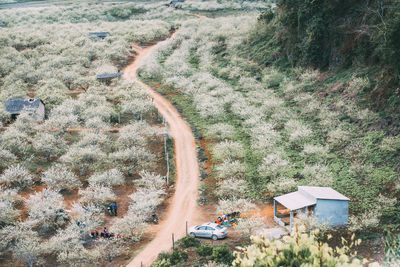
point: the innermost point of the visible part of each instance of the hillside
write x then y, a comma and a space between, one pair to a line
349, 37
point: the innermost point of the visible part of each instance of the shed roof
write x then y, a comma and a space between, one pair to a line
323, 192
99, 34
16, 105
109, 75
295, 200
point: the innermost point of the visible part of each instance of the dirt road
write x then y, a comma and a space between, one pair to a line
183, 206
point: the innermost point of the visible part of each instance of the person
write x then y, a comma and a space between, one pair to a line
110, 209
114, 207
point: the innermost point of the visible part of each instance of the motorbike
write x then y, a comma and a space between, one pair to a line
155, 218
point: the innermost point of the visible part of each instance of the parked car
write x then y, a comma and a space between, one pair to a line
208, 230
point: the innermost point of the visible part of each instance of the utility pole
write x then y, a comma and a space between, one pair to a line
166, 151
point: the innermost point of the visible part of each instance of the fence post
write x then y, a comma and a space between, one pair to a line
173, 241
186, 228
166, 154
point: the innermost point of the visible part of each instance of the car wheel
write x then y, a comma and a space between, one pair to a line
214, 237
192, 234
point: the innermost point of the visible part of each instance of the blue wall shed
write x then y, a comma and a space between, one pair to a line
328, 205
332, 211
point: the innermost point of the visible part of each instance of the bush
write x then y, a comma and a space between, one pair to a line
205, 250
161, 263
222, 254
188, 242
178, 256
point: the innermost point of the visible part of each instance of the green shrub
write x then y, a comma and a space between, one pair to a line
163, 256
222, 254
205, 250
188, 242
161, 263
178, 256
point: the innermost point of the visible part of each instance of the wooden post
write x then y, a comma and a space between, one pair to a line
186, 228
141, 264
173, 242
275, 205
166, 152
291, 220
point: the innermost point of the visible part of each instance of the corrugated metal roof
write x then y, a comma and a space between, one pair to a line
16, 105
99, 34
295, 200
323, 192
110, 75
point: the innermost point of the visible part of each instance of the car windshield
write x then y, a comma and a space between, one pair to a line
219, 227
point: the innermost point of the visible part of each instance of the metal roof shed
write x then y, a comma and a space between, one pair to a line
328, 205
15, 106
109, 75
101, 35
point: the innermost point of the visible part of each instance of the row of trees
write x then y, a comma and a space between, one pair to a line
74, 152
273, 131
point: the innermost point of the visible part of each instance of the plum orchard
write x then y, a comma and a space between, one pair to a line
270, 131
47, 53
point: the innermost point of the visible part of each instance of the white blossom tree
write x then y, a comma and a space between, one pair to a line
232, 188
58, 178
228, 149
87, 217
131, 159
84, 159
151, 180
49, 145
16, 176
108, 178
98, 195
247, 226
228, 168
6, 158
8, 213
131, 226
47, 209
235, 205
15, 141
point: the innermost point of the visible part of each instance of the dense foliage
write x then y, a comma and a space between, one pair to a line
338, 33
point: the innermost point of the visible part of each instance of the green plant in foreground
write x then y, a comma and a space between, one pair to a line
222, 254
204, 250
189, 241
298, 249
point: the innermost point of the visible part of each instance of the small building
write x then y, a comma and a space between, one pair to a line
109, 75
32, 105
174, 2
324, 203
101, 35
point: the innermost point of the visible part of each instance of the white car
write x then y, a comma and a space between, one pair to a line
208, 230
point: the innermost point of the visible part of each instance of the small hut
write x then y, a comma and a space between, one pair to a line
173, 3
34, 106
101, 35
325, 203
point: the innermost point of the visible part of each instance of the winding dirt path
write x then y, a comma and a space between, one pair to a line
183, 206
